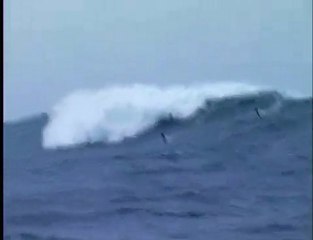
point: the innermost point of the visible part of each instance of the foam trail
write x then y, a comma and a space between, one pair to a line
275, 108
115, 113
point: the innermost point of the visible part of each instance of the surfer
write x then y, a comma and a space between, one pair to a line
257, 112
170, 116
164, 138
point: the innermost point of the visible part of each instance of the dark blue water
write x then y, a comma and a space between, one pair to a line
226, 174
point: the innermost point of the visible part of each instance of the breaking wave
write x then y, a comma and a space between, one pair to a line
115, 113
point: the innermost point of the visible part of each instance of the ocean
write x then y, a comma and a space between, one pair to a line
96, 166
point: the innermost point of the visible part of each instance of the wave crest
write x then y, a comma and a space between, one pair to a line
115, 113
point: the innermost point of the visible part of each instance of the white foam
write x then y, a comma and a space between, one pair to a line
113, 113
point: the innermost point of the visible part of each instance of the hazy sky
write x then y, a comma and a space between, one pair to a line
54, 47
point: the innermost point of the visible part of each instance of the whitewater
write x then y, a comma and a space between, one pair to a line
115, 113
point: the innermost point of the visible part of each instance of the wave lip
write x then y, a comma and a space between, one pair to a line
115, 113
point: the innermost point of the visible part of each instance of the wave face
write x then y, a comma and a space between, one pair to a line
116, 113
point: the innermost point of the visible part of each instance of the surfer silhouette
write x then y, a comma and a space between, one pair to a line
257, 112
163, 137
170, 116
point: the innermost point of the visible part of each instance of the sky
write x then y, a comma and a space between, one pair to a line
52, 48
